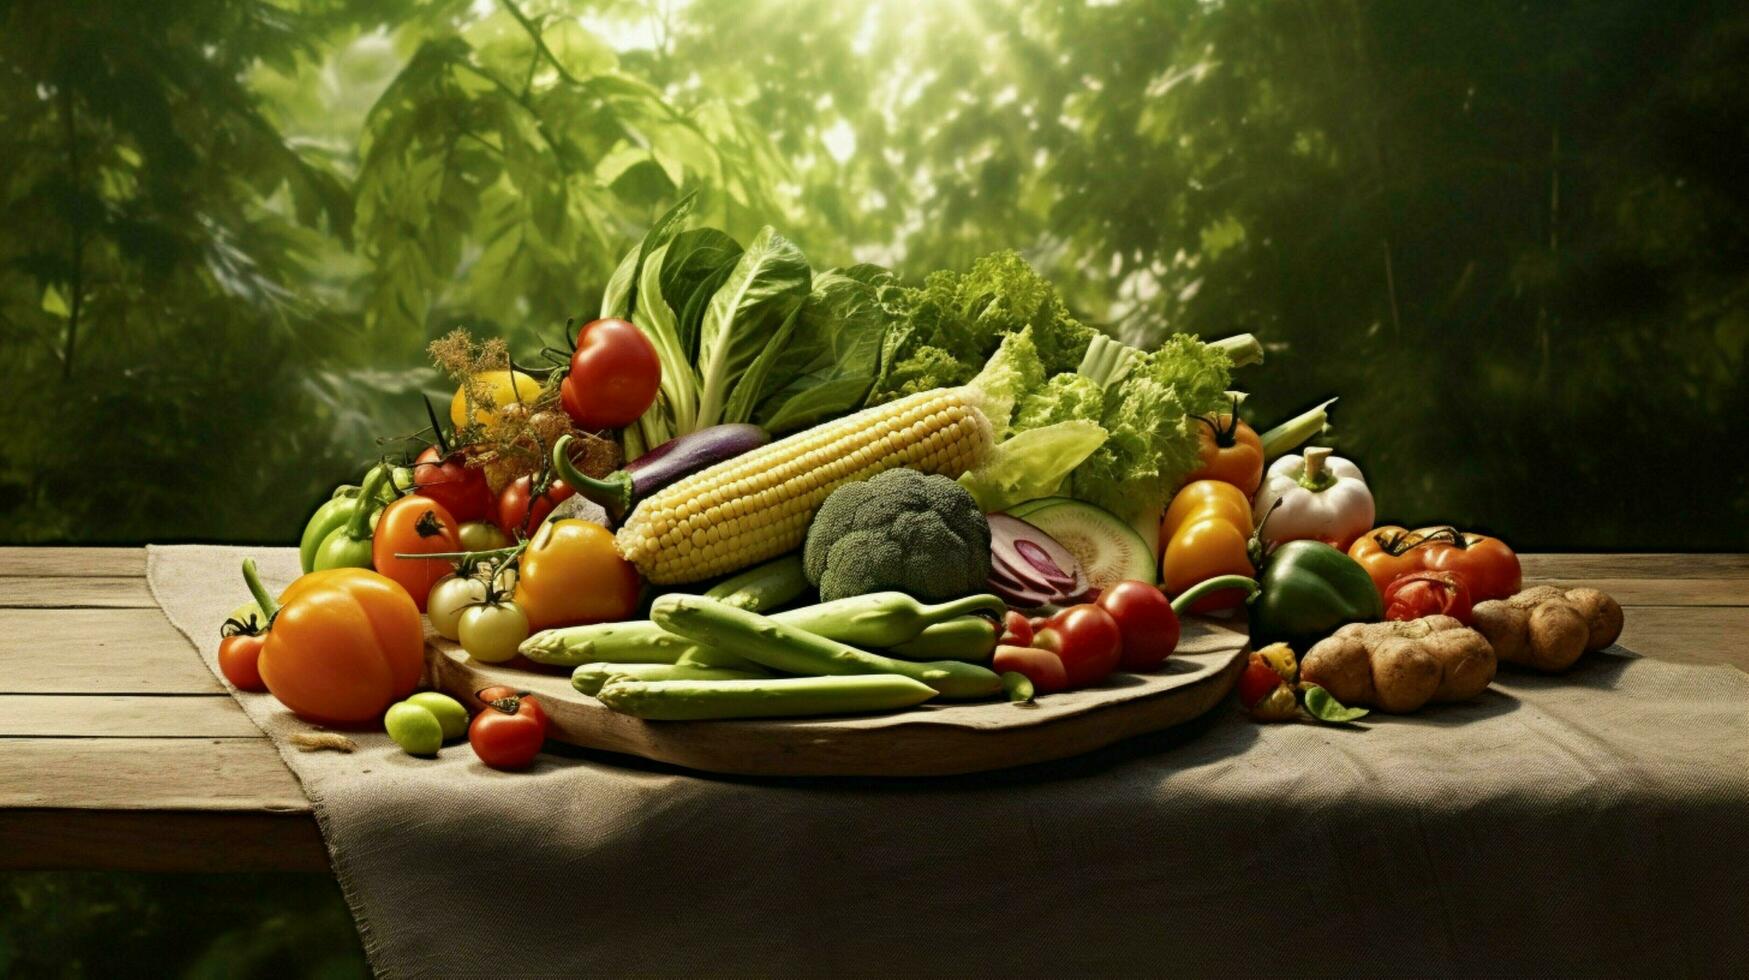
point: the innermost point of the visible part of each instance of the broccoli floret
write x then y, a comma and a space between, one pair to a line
901, 530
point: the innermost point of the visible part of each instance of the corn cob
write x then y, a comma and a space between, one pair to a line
757, 506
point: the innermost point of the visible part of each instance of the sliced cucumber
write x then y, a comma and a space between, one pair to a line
1021, 510
1109, 550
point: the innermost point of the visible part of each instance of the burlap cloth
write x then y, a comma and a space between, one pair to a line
1592, 824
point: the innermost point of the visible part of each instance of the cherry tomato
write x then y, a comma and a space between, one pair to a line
509, 731
1488, 566
240, 653
518, 514
1419, 594
1145, 618
1087, 639
491, 631
450, 481
1044, 668
414, 525
1016, 630
614, 375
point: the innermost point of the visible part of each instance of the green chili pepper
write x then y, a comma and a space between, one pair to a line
348, 544
1308, 590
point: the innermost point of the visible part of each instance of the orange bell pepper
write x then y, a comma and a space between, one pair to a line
572, 574
1231, 451
342, 645
1206, 531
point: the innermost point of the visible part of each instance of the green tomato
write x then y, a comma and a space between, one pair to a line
449, 712
482, 536
415, 729
491, 633
450, 596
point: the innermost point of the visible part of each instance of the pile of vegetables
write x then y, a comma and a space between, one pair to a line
754, 489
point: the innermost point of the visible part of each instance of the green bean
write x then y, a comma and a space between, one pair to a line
783, 647
589, 678
970, 638
779, 697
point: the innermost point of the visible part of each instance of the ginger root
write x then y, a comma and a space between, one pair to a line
1400, 666
1549, 628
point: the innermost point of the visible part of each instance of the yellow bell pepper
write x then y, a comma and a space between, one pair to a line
1206, 531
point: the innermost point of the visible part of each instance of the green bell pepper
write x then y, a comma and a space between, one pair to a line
347, 544
1308, 590
337, 510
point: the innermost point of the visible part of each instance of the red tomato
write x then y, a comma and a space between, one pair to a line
1087, 639
414, 525
1016, 630
1258, 682
240, 655
614, 375
1145, 618
509, 731
450, 481
1487, 565
1042, 667
1419, 594
518, 516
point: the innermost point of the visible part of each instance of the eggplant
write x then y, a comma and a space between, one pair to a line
618, 492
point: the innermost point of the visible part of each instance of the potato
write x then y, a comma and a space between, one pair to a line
1400, 666
1549, 628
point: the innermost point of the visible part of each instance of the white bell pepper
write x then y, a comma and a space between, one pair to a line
1317, 497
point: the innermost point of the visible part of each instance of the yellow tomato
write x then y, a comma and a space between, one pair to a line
572, 574
523, 390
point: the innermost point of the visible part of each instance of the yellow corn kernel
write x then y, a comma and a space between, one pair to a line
757, 506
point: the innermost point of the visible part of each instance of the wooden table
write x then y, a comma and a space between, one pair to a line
118, 749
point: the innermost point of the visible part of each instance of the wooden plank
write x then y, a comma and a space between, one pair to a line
1627, 565
155, 840
238, 774
1660, 591
1717, 635
98, 651
124, 716
78, 562
90, 592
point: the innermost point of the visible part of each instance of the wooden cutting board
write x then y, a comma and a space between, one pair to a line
931, 740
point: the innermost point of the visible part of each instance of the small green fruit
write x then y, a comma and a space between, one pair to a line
414, 728
449, 712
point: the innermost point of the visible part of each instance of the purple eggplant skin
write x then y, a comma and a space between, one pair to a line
619, 491
687, 454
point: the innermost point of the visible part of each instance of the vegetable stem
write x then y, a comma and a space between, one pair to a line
1296, 430
1182, 604
614, 493
1315, 477
252, 577
358, 527
1243, 349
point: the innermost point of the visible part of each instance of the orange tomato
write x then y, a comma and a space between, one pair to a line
1487, 565
414, 525
571, 574
1387, 552
1206, 531
1231, 452
346, 644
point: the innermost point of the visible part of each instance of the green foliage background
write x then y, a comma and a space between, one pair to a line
1511, 236
1514, 237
